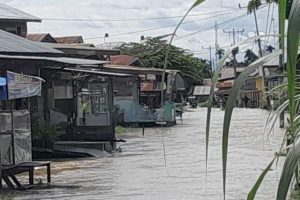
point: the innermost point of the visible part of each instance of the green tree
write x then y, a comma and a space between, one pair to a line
253, 5
234, 52
250, 56
269, 48
152, 53
220, 53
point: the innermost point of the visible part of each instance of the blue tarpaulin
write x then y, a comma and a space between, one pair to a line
2, 81
3, 90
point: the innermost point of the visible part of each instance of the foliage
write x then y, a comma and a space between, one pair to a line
220, 53
295, 194
203, 104
44, 134
6, 197
152, 53
269, 48
250, 56
253, 5
121, 129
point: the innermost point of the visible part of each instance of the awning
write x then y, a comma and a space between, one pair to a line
202, 90
66, 60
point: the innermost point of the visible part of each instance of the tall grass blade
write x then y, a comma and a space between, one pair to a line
282, 16
291, 160
231, 104
253, 191
214, 82
292, 52
289, 167
196, 3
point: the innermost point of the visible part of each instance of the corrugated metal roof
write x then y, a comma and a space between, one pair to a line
38, 37
11, 43
80, 47
228, 73
95, 71
9, 13
123, 60
201, 90
134, 70
66, 60
275, 61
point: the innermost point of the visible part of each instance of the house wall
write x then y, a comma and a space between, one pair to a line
259, 83
126, 94
18, 28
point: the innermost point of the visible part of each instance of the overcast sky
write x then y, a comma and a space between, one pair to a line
143, 9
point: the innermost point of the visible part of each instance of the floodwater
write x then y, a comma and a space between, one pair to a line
169, 163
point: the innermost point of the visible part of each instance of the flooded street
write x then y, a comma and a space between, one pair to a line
139, 172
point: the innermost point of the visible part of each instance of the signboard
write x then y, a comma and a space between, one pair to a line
22, 86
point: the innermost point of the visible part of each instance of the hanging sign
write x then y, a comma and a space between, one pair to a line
22, 86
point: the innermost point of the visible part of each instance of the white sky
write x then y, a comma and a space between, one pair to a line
133, 9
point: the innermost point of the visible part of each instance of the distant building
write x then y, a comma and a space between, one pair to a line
253, 87
201, 93
125, 60
69, 40
138, 97
15, 21
41, 37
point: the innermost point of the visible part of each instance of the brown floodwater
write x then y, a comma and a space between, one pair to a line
169, 163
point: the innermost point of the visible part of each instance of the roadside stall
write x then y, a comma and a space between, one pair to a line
15, 128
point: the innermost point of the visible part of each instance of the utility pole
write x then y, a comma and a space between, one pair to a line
210, 57
257, 33
234, 32
216, 40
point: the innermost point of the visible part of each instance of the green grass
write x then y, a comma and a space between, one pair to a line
122, 129
6, 197
295, 194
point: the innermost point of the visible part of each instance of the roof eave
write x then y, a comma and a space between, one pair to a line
21, 20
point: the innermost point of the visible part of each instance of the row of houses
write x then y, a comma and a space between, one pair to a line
62, 80
255, 87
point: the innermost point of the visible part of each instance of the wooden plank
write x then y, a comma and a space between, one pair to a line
31, 174
8, 183
49, 173
16, 181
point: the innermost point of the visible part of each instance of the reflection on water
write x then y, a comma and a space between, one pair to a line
139, 172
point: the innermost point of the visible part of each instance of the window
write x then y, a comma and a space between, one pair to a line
99, 102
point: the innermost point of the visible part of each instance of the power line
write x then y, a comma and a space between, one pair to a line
233, 32
135, 19
161, 27
210, 28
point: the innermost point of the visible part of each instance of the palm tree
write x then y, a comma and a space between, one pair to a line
270, 48
234, 52
253, 5
220, 53
250, 56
